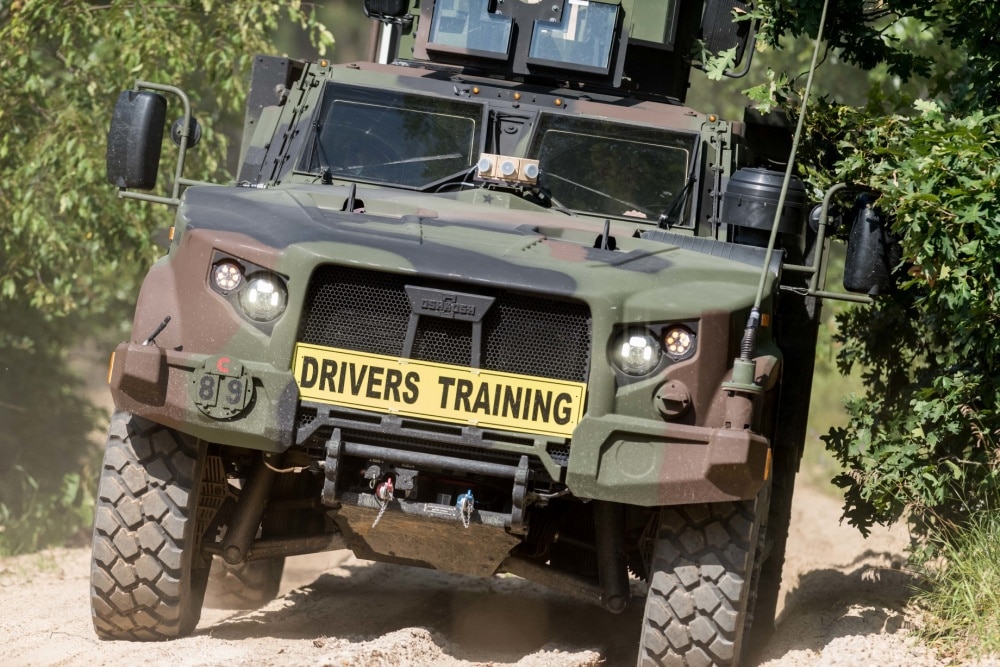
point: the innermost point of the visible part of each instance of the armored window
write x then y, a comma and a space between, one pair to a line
612, 169
394, 138
461, 26
582, 40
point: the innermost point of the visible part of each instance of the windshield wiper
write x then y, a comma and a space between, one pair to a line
545, 198
680, 200
631, 205
410, 160
451, 179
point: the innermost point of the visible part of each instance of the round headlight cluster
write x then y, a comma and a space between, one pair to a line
264, 298
261, 295
638, 351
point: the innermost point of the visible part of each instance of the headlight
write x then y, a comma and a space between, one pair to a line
227, 276
678, 342
636, 353
264, 297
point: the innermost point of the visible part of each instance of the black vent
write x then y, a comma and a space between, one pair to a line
356, 310
443, 341
532, 336
369, 312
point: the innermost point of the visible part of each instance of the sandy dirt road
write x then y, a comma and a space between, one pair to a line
842, 604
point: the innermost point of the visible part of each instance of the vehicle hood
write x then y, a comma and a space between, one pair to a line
499, 243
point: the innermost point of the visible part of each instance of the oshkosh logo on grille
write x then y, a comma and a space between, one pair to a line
449, 305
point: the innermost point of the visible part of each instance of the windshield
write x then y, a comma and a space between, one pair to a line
604, 168
394, 138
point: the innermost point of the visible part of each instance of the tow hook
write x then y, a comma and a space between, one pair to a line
465, 506
384, 491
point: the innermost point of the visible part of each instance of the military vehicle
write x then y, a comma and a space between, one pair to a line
497, 302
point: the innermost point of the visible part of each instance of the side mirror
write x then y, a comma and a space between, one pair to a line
867, 267
721, 32
135, 139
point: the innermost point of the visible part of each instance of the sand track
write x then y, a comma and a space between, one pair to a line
843, 602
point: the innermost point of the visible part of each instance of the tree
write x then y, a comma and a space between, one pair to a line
922, 437
71, 253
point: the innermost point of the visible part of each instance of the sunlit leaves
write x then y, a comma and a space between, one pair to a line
716, 66
929, 352
71, 252
68, 242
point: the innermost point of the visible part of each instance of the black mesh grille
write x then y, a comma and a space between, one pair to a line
532, 336
369, 312
444, 341
356, 310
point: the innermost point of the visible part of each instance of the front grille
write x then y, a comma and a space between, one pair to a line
444, 341
356, 310
524, 334
366, 311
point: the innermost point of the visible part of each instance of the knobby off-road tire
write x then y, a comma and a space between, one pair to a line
778, 522
147, 579
702, 572
249, 585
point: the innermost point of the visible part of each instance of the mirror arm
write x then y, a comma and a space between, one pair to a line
174, 199
817, 271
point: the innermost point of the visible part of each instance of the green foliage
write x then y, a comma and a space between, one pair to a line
854, 28
44, 518
921, 438
949, 46
46, 419
69, 244
71, 253
716, 66
963, 595
774, 92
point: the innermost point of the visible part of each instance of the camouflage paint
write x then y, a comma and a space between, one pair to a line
623, 450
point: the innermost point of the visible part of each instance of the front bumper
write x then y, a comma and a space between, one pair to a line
612, 457
163, 385
642, 462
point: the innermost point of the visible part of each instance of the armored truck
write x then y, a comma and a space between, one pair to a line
494, 302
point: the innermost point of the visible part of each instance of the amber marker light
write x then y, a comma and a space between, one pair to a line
678, 342
227, 276
517, 96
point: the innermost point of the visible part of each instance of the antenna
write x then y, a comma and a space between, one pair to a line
744, 367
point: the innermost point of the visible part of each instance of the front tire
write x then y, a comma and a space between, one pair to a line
147, 577
699, 605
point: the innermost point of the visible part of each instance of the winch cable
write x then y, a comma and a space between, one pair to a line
749, 342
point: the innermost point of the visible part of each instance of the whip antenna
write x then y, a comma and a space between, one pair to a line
749, 341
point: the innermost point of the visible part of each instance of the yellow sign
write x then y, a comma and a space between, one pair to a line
487, 399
